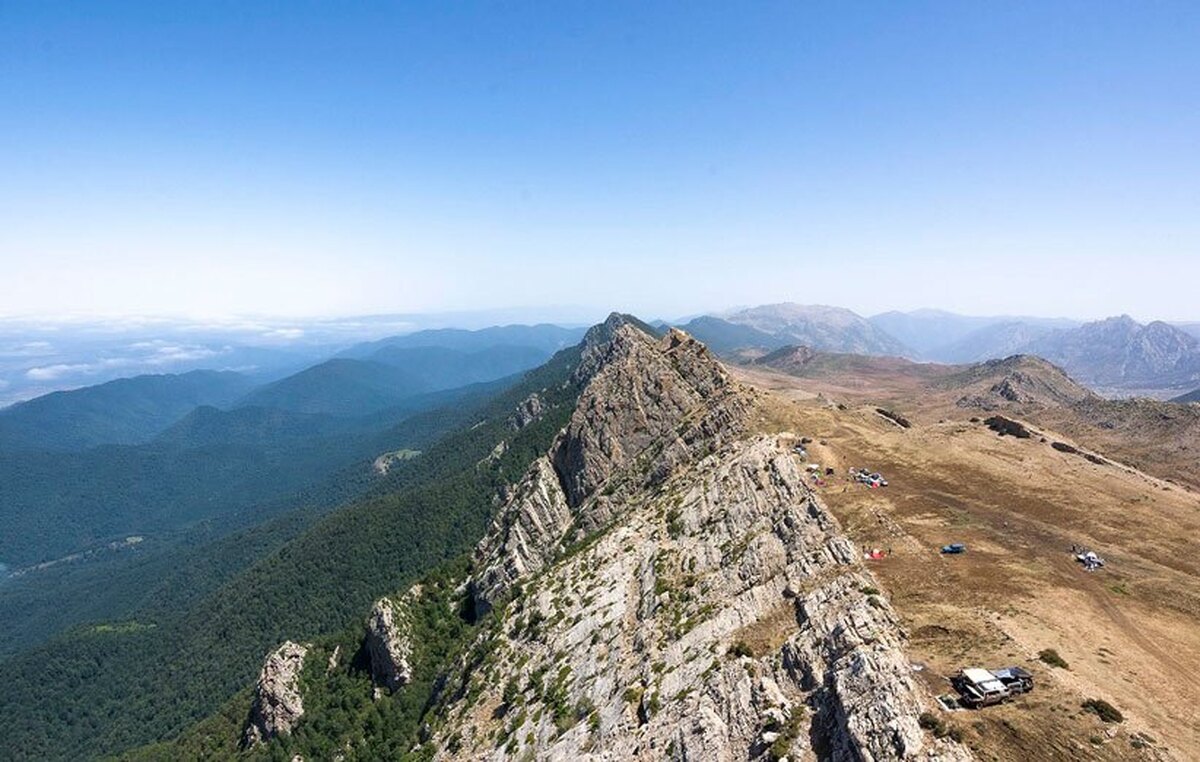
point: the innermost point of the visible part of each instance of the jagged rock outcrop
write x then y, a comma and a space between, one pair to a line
529, 410
1017, 382
657, 401
277, 705
524, 537
723, 617
388, 640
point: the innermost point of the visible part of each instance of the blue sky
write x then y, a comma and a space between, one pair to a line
309, 158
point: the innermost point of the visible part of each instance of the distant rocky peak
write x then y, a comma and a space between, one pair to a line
649, 404
642, 392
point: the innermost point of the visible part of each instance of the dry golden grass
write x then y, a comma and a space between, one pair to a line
1130, 632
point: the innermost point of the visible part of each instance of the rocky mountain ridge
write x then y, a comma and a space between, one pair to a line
661, 583
1121, 353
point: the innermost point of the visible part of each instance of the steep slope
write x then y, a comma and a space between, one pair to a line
658, 583
697, 602
1119, 353
148, 678
832, 329
125, 411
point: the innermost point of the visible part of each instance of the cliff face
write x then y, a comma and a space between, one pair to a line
388, 643
664, 585
277, 705
648, 406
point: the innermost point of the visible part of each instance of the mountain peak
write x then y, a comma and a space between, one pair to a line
663, 399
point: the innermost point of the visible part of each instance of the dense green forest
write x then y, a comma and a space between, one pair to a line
149, 676
172, 567
390, 375
125, 411
212, 464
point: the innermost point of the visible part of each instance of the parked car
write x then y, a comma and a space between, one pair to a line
1015, 679
978, 687
981, 687
954, 548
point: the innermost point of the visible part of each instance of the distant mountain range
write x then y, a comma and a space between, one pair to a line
1120, 353
832, 329
544, 337
156, 452
1192, 396
1116, 356
946, 337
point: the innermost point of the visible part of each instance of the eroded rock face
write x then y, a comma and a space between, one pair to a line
531, 409
724, 616
524, 537
659, 400
277, 705
648, 405
708, 608
389, 640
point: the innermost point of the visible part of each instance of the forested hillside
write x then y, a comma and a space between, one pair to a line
169, 569
126, 411
121, 684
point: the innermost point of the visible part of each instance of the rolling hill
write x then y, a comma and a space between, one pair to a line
389, 376
126, 411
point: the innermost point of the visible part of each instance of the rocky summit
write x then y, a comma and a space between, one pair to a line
664, 585
660, 583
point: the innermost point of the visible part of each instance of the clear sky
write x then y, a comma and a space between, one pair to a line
324, 158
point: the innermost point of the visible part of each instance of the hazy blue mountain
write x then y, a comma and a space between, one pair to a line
991, 342
389, 376
949, 337
443, 368
1119, 353
341, 386
1192, 328
545, 337
926, 329
724, 337
125, 411
831, 329
1192, 396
